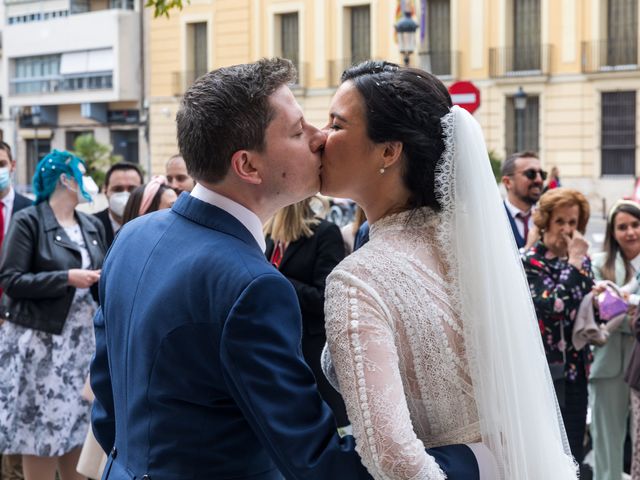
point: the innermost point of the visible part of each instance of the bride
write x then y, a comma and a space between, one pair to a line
431, 331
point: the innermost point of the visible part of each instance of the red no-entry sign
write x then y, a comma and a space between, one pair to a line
466, 95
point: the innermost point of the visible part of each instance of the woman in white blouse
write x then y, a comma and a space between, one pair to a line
430, 327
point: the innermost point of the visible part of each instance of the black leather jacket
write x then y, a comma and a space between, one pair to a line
37, 255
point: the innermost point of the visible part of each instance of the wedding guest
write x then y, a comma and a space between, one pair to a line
554, 179
305, 249
632, 377
150, 197
609, 395
50, 260
121, 179
178, 177
523, 179
560, 275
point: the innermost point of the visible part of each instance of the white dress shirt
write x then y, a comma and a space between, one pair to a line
7, 208
513, 210
245, 216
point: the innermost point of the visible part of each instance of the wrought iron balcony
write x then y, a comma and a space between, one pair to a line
440, 63
520, 61
610, 56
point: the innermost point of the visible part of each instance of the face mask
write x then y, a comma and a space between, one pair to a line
5, 178
117, 202
89, 186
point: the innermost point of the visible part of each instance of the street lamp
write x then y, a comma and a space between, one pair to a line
520, 104
406, 30
35, 121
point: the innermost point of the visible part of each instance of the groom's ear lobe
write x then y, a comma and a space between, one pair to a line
392, 153
243, 164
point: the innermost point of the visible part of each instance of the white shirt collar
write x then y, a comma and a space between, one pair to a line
635, 263
513, 210
245, 216
115, 226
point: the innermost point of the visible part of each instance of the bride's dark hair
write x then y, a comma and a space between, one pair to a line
406, 105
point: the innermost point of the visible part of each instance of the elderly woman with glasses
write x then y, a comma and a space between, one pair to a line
559, 274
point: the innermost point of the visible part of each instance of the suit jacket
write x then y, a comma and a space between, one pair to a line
198, 372
20, 202
103, 215
611, 359
306, 263
520, 240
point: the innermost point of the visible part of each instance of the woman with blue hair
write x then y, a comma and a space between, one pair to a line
49, 269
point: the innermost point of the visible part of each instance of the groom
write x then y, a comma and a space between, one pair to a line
198, 372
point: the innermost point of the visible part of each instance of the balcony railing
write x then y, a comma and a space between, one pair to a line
521, 61
609, 56
62, 83
442, 64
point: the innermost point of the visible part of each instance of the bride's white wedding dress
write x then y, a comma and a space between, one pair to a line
432, 333
398, 349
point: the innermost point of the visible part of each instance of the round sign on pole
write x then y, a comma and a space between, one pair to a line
465, 95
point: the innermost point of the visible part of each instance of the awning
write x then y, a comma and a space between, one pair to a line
86, 61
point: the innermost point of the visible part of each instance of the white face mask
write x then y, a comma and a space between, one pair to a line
117, 202
89, 186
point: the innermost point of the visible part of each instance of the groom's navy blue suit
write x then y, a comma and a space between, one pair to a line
198, 371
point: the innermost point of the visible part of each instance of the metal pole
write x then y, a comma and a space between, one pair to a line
35, 144
520, 130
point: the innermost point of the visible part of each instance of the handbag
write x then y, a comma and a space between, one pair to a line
610, 303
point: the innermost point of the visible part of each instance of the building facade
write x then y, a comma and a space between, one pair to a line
71, 67
576, 62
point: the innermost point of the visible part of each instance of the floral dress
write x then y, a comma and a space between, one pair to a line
42, 411
557, 288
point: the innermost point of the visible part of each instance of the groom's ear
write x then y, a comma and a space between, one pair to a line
244, 165
392, 153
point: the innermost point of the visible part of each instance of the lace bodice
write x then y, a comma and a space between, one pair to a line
397, 346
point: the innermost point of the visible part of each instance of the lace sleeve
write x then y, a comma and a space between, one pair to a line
361, 342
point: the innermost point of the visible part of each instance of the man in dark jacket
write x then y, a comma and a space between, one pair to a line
10, 203
121, 179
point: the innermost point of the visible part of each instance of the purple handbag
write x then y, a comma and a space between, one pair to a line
610, 304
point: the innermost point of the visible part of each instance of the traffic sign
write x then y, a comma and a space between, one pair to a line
466, 95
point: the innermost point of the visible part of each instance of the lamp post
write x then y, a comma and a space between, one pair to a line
406, 30
35, 121
520, 104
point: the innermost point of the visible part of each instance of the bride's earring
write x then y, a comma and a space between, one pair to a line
381, 170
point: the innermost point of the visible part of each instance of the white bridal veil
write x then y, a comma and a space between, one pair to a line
519, 414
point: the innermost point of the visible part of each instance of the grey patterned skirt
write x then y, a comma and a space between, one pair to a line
42, 411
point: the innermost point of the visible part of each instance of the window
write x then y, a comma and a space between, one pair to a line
526, 35
197, 51
622, 32
435, 54
522, 127
38, 74
125, 144
360, 34
289, 46
618, 133
71, 136
36, 149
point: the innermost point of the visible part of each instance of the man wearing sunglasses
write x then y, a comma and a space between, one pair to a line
524, 179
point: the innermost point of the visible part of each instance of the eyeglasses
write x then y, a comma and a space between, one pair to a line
532, 173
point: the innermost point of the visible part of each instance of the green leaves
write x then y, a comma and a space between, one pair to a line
161, 8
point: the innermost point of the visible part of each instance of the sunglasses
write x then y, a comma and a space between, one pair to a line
532, 173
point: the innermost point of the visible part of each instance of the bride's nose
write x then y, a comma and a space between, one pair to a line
317, 141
